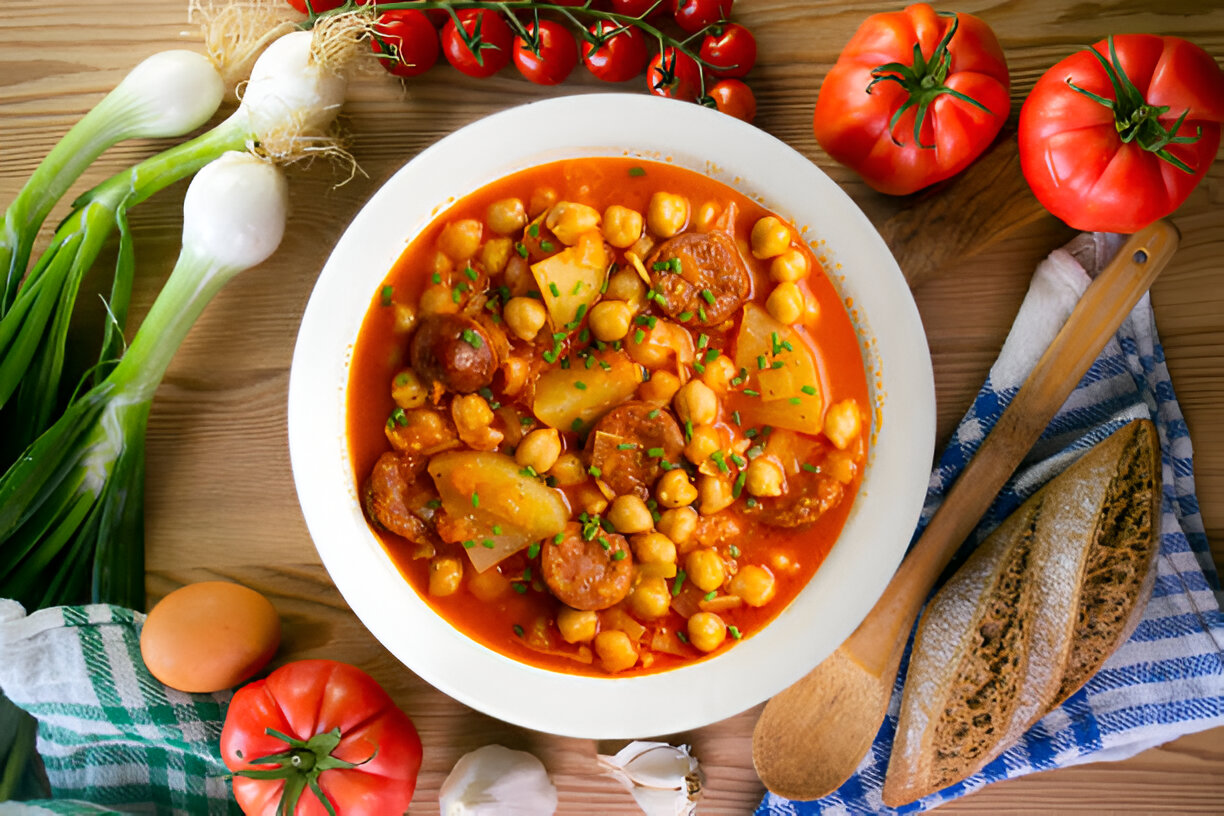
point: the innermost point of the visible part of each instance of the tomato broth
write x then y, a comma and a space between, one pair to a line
515, 607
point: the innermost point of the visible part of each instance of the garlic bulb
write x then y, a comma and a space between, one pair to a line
496, 781
664, 780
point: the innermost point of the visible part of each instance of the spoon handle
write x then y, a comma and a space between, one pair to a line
878, 642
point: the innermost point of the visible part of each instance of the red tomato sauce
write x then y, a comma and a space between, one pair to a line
523, 626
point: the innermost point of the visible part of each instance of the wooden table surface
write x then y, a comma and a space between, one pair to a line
220, 499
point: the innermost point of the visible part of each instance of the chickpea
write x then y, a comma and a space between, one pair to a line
842, 423
591, 499
706, 631
650, 599
719, 373
518, 276
525, 317
445, 573
660, 388
764, 478
667, 214
696, 403
621, 226
514, 371
678, 524
507, 216
755, 585
790, 266
568, 470
577, 626
495, 254
625, 284
656, 347
781, 562
702, 444
541, 200
770, 238
705, 569
654, 548
616, 651
675, 490
437, 300
471, 413
629, 514
714, 494
460, 239
442, 265
610, 320
405, 317
785, 303
841, 466
706, 214
488, 585
539, 450
407, 390
569, 220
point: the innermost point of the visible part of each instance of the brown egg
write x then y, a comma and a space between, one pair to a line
209, 636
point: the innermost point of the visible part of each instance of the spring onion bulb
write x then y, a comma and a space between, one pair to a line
168, 94
71, 507
295, 91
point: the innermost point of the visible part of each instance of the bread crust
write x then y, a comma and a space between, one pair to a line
995, 649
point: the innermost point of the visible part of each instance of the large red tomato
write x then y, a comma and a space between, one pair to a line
314, 729
480, 45
914, 98
1114, 137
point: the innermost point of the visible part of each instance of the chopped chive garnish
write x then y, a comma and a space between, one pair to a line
521, 250
751, 392
584, 336
400, 380
777, 364
534, 229
709, 596
707, 296
470, 273
733, 551
750, 502
488, 544
809, 390
688, 429
701, 312
619, 555
751, 433
549, 356
685, 316
738, 487
580, 385
469, 544
699, 368
703, 340
433, 504
594, 471
655, 453
737, 381
607, 526
810, 468
518, 630
533, 550
520, 589
526, 421
436, 277
605, 543
565, 363
626, 446
720, 459
475, 499
577, 288
775, 342
558, 538
456, 295
385, 295
552, 287
496, 529
399, 417
547, 246
794, 401
711, 355
528, 471
680, 636
576, 425
675, 265
786, 345
472, 339
639, 336
734, 632
735, 417
738, 460
659, 266
642, 320
590, 362
637, 172
679, 583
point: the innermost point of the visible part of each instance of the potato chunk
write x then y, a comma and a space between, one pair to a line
789, 394
570, 280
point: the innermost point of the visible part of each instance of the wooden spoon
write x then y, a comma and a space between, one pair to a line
811, 737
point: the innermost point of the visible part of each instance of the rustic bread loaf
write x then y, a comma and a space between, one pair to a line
1031, 615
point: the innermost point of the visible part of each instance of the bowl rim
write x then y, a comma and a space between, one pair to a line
873, 539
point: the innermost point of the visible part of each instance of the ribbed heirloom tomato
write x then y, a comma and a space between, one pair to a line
1116, 136
914, 98
317, 737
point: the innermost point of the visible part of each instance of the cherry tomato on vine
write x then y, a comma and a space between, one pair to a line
694, 15
732, 50
636, 8
490, 37
734, 98
620, 57
318, 5
674, 75
557, 53
409, 41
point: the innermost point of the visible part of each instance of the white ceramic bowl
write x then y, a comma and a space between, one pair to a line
875, 535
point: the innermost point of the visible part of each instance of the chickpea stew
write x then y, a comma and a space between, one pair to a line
607, 416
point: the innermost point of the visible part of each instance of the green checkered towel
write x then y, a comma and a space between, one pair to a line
108, 732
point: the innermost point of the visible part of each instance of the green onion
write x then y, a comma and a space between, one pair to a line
709, 596
809, 390
488, 544
472, 338
521, 250
594, 471
738, 487
469, 544
733, 551
71, 507
580, 385
552, 287
547, 246
518, 630
475, 499
678, 584
533, 550
619, 555
636, 172
521, 589
436, 277
534, 229
734, 632
626, 446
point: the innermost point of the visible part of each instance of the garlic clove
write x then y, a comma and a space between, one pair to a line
665, 780
497, 781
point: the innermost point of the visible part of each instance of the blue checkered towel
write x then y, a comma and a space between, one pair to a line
1168, 679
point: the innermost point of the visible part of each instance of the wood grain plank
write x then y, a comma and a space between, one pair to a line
220, 501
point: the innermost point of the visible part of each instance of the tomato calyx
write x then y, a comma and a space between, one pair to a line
300, 766
1136, 120
923, 82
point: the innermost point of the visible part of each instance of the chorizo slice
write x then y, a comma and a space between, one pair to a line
587, 574
400, 501
700, 274
453, 351
622, 442
808, 496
